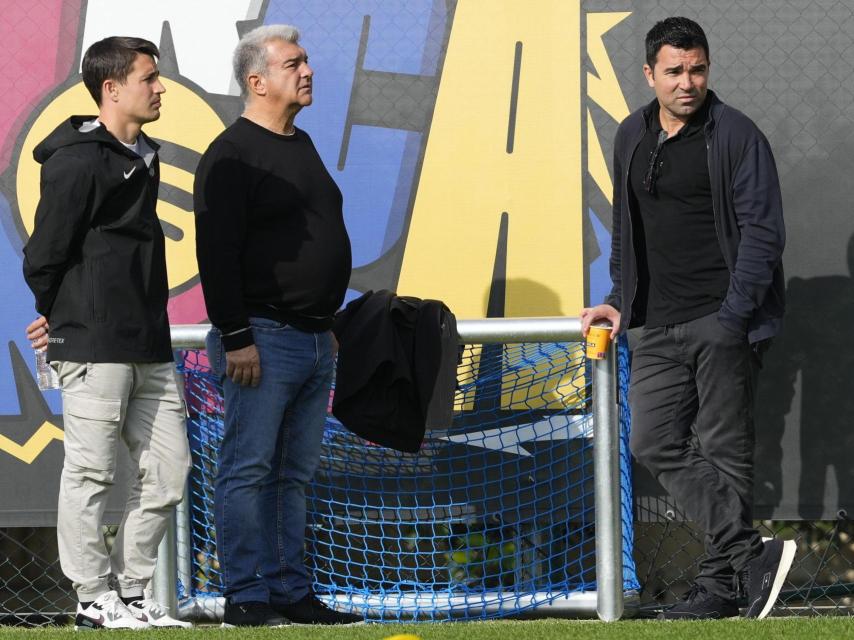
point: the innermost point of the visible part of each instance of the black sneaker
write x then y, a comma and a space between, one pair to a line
251, 614
763, 577
312, 610
699, 604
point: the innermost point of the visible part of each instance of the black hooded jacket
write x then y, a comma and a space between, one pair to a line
96, 260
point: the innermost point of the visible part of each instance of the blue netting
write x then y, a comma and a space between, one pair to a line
624, 359
492, 517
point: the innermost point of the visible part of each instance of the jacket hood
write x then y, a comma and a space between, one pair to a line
76, 130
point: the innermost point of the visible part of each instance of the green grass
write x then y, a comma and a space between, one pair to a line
735, 629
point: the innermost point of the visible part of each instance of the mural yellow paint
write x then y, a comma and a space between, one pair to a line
603, 88
33, 447
555, 382
468, 178
186, 120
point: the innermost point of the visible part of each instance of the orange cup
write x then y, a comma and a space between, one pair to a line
597, 342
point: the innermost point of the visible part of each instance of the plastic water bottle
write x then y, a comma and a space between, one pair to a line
45, 374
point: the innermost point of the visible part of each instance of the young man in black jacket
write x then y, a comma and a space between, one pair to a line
696, 259
274, 261
97, 267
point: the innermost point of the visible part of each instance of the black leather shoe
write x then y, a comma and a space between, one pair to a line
252, 614
311, 610
699, 604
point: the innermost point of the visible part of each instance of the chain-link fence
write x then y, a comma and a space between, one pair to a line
33, 591
821, 581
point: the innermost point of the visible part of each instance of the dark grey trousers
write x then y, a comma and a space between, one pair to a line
691, 399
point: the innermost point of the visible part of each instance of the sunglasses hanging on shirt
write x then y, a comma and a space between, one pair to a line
654, 163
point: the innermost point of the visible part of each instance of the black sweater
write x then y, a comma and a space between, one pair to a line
96, 261
270, 235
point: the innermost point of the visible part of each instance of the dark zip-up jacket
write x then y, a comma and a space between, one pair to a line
96, 260
748, 212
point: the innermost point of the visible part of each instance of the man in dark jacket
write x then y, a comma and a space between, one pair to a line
696, 259
274, 261
96, 265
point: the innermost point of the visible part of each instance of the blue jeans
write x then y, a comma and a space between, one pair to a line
270, 450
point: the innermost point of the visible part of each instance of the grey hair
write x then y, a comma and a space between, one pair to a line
250, 55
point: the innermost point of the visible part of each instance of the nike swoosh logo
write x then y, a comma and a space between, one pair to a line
128, 174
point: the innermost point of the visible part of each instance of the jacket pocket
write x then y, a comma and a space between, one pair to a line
90, 408
91, 428
96, 289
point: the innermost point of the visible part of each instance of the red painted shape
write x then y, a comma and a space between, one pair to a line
187, 307
38, 51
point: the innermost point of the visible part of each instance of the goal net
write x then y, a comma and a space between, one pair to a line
492, 517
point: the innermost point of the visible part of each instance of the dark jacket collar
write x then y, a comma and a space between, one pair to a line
712, 107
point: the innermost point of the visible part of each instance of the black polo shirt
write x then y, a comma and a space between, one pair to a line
678, 250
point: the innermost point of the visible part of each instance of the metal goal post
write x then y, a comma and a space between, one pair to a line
610, 598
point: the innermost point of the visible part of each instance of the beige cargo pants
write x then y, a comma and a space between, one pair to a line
104, 403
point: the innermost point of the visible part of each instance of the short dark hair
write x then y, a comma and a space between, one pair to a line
682, 33
112, 59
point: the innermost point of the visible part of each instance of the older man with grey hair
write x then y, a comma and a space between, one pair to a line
274, 261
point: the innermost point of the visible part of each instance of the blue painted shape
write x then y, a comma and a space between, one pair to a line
18, 311
599, 275
369, 183
378, 177
351, 295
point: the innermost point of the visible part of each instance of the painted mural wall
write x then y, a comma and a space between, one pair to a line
471, 140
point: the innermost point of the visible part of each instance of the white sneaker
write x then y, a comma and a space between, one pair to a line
107, 612
147, 610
